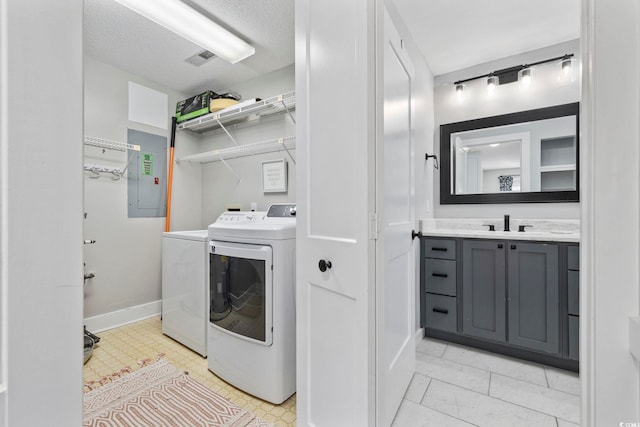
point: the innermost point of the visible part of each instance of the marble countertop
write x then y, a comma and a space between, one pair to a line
556, 230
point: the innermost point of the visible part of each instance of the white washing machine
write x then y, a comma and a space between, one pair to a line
251, 337
185, 288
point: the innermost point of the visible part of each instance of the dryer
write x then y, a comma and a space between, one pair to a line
251, 332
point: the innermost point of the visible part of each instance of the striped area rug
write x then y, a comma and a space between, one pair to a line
158, 395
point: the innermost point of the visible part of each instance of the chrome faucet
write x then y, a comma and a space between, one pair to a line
506, 223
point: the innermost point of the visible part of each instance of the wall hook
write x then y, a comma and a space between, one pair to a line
427, 156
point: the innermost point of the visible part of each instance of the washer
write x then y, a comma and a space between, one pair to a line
185, 288
251, 334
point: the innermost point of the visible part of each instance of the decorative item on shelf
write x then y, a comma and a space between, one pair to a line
274, 176
428, 156
506, 182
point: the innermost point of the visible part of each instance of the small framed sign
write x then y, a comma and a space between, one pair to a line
274, 176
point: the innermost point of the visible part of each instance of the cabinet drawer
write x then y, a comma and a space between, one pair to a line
441, 312
573, 257
439, 248
574, 337
440, 276
574, 292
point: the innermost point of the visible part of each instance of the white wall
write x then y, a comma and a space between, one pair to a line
611, 212
547, 89
219, 187
41, 211
126, 256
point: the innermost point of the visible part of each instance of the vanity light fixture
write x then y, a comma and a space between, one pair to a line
186, 22
513, 74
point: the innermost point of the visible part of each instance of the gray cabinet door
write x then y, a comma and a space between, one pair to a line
533, 296
483, 286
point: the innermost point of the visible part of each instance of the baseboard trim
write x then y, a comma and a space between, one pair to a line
418, 335
103, 322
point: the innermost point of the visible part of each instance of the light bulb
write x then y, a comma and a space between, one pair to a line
460, 91
492, 82
525, 76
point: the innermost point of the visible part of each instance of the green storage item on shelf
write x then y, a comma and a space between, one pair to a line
195, 106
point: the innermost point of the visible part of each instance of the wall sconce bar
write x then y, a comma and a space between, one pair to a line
510, 74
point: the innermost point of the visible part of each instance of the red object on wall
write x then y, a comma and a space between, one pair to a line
156, 181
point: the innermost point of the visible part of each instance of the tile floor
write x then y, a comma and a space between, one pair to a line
126, 345
459, 386
453, 385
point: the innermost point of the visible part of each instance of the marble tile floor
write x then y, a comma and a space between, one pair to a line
456, 385
126, 345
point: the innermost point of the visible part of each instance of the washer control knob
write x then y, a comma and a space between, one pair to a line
292, 211
323, 265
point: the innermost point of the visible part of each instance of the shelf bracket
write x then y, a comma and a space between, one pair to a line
226, 131
128, 163
230, 168
287, 109
281, 141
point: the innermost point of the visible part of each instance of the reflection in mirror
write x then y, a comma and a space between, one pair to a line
529, 156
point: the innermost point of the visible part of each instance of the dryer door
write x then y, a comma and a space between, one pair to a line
240, 290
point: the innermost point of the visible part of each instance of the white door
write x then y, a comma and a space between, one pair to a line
335, 133
395, 255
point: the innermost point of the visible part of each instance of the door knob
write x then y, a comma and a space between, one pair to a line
414, 234
323, 265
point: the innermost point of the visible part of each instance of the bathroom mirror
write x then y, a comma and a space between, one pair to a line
528, 156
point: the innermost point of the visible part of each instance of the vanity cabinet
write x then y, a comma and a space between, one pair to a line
573, 301
510, 296
533, 296
439, 278
484, 290
517, 278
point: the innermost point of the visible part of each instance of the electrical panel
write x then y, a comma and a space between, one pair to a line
147, 175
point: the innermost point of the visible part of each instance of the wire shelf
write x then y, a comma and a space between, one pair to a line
111, 145
273, 105
280, 144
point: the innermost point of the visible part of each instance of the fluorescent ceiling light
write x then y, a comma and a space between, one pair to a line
193, 26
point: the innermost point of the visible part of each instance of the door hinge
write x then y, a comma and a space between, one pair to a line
373, 226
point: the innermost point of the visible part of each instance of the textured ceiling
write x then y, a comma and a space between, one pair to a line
115, 35
452, 35
456, 34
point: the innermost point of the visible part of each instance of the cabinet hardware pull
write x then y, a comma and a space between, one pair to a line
513, 246
440, 310
500, 245
439, 275
439, 249
414, 234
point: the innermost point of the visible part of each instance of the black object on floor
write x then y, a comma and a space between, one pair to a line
90, 340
